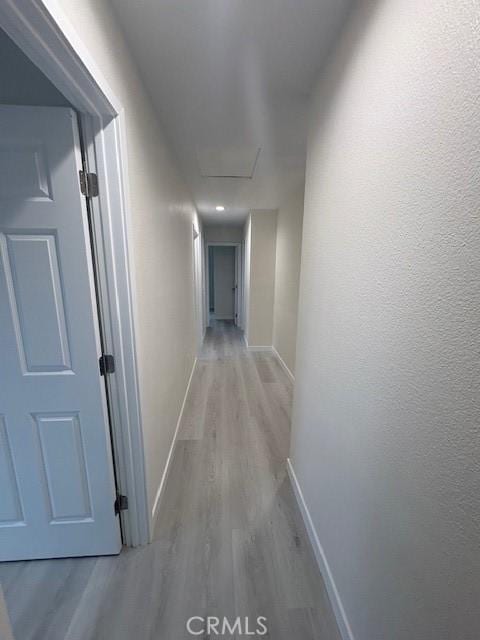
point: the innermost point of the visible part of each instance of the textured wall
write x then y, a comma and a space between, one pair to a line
262, 278
287, 275
162, 242
386, 428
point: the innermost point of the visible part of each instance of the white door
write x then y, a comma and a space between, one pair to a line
56, 475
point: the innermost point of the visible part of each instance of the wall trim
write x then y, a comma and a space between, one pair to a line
284, 366
337, 605
270, 349
114, 270
161, 487
254, 347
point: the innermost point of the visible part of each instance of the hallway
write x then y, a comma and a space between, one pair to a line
229, 540
239, 319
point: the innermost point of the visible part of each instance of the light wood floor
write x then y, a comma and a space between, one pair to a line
229, 540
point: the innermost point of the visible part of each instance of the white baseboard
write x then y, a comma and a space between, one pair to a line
252, 347
282, 362
337, 605
161, 487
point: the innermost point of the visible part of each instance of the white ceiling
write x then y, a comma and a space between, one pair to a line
230, 77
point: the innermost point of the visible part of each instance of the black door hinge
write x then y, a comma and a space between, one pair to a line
106, 364
88, 184
120, 504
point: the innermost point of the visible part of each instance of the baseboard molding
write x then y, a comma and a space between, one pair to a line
161, 487
253, 347
337, 605
214, 317
284, 366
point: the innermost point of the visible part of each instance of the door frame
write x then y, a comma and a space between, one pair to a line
198, 284
41, 29
238, 276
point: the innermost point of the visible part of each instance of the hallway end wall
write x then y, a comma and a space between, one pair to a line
385, 428
162, 215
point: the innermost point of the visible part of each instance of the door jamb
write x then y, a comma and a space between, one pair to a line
42, 31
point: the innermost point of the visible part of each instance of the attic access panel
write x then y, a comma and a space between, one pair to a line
229, 162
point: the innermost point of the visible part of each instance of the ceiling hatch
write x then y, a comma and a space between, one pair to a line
228, 162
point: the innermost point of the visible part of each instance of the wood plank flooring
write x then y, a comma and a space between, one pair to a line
229, 540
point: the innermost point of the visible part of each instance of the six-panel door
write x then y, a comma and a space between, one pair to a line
56, 478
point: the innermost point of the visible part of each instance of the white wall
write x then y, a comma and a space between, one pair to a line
162, 218
261, 293
288, 255
385, 437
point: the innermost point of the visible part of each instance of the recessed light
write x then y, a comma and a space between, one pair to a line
220, 208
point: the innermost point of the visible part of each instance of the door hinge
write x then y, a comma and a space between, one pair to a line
106, 363
120, 504
88, 184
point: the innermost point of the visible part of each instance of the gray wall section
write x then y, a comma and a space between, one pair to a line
21, 82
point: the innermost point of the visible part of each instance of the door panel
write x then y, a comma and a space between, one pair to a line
36, 302
56, 470
23, 170
11, 512
61, 445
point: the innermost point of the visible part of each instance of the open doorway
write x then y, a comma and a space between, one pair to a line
56, 459
59, 496
224, 282
57, 476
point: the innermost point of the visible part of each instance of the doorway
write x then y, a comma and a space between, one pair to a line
52, 46
224, 282
56, 473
